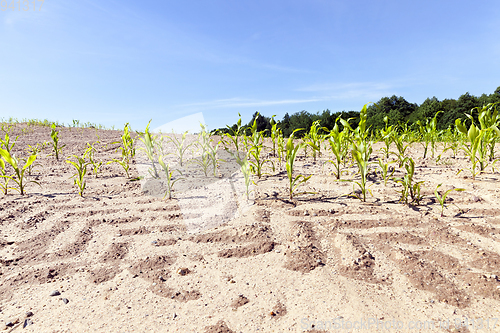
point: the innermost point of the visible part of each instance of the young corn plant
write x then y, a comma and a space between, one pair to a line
281, 149
452, 138
275, 134
127, 149
124, 162
213, 151
386, 170
181, 146
474, 136
89, 153
361, 152
208, 156
128, 143
401, 146
35, 150
5, 177
245, 170
429, 133
81, 170
316, 138
6, 128
235, 134
291, 154
19, 177
169, 177
159, 143
387, 135
489, 121
442, 198
149, 149
338, 147
55, 141
411, 188
256, 147
361, 149
6, 142
204, 162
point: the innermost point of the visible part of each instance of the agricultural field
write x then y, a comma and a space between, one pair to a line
120, 231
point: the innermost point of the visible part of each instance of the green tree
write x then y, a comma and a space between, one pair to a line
396, 108
463, 106
426, 110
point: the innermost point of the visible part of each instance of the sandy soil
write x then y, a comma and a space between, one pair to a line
122, 259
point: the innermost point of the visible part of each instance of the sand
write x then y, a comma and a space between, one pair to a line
123, 259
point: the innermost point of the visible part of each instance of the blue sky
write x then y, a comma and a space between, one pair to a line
112, 62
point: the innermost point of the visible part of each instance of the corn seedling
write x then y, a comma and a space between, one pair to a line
256, 146
3, 175
386, 170
338, 147
411, 188
291, 154
35, 150
149, 149
81, 171
316, 138
452, 139
474, 136
180, 146
208, 154
204, 162
236, 133
19, 177
245, 170
55, 141
387, 135
124, 162
361, 149
89, 153
401, 146
127, 149
128, 141
361, 152
275, 134
159, 143
281, 149
6, 128
212, 151
429, 133
489, 121
6, 142
442, 198
169, 177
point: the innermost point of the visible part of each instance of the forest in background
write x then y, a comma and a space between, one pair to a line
397, 109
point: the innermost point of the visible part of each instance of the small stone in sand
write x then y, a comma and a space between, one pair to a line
55, 293
27, 322
65, 300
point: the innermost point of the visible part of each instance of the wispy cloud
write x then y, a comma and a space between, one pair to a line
239, 102
350, 90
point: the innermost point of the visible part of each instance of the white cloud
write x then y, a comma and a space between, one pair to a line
336, 91
239, 102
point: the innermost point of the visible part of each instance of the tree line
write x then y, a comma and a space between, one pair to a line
397, 109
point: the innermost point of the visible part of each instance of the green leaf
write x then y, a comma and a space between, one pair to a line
30, 161
8, 158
